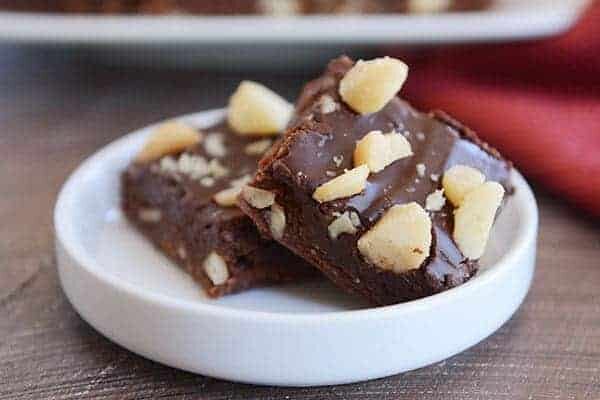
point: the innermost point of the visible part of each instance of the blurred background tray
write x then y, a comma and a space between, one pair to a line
256, 41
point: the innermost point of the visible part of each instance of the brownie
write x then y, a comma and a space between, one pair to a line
319, 146
230, 7
170, 201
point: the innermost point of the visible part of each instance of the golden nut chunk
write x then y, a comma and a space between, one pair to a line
258, 198
276, 221
474, 218
258, 148
460, 180
370, 85
227, 197
216, 269
435, 201
170, 137
401, 239
344, 223
255, 110
377, 150
428, 6
348, 184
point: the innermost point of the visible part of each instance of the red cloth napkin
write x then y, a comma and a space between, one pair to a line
537, 102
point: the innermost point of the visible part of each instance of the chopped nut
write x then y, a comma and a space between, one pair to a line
435, 201
181, 252
338, 160
258, 198
170, 137
256, 110
279, 8
434, 177
460, 180
428, 6
207, 181
214, 144
149, 215
216, 269
258, 148
421, 170
168, 165
216, 169
355, 219
399, 146
276, 218
377, 150
474, 218
241, 181
227, 197
349, 183
370, 85
327, 104
420, 136
192, 165
330, 173
344, 223
401, 239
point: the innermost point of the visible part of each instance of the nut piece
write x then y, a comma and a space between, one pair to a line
257, 148
344, 223
241, 181
377, 150
256, 110
207, 181
435, 201
216, 169
170, 137
276, 221
428, 6
149, 215
216, 269
327, 104
460, 180
258, 198
214, 144
401, 239
279, 8
370, 85
227, 197
474, 218
192, 165
349, 183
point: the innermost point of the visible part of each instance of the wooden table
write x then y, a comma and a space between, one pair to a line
56, 109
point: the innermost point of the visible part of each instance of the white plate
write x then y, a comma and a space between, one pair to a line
506, 20
292, 335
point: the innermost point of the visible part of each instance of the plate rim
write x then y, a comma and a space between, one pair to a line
527, 232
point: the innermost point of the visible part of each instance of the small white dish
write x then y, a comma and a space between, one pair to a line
297, 335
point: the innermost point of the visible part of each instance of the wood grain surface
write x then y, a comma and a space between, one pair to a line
57, 107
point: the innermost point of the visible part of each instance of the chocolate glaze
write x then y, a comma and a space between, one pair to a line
300, 164
193, 221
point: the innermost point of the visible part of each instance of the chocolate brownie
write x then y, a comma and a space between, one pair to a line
174, 201
233, 7
320, 146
